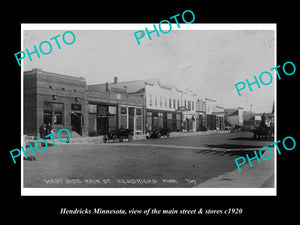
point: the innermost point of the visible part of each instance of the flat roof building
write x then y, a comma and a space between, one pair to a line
68, 102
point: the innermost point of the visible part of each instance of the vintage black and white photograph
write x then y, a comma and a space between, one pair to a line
191, 108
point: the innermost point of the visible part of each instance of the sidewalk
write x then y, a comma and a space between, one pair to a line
257, 176
98, 139
197, 133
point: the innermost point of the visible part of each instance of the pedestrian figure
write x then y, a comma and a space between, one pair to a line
263, 121
48, 128
43, 130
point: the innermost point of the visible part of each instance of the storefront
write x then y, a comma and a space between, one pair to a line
189, 122
211, 122
54, 99
163, 119
220, 120
131, 118
200, 121
102, 118
108, 111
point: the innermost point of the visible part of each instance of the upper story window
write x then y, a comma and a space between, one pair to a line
53, 113
150, 100
124, 110
160, 101
92, 108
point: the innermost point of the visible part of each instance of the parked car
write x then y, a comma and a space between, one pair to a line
158, 133
119, 134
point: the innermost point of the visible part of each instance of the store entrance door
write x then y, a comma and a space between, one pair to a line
131, 118
76, 122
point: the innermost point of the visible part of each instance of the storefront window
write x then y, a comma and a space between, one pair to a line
123, 110
112, 120
169, 116
160, 101
123, 117
58, 118
138, 112
178, 122
139, 123
149, 123
131, 112
112, 110
150, 100
47, 106
92, 124
92, 108
53, 113
47, 116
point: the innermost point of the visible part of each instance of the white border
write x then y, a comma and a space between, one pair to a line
149, 191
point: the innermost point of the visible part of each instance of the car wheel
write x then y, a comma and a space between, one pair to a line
120, 139
104, 139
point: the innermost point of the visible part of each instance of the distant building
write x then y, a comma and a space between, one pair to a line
234, 116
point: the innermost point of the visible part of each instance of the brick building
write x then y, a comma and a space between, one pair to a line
68, 102
54, 98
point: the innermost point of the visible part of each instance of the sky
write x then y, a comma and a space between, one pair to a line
209, 62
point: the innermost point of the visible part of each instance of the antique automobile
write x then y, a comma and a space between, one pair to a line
158, 133
119, 134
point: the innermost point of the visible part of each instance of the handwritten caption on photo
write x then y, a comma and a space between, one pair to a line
108, 181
